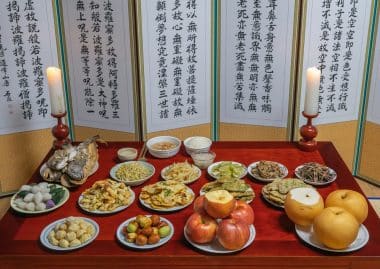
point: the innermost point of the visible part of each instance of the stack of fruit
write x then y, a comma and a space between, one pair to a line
146, 230
218, 216
335, 222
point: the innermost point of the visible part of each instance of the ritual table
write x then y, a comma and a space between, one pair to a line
276, 244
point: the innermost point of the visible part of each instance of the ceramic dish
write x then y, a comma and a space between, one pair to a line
169, 209
163, 153
307, 235
59, 204
197, 174
283, 169
315, 183
121, 237
118, 209
215, 247
133, 182
212, 173
45, 232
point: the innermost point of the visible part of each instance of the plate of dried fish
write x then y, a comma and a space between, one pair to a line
105, 197
236, 186
132, 173
315, 174
72, 165
183, 172
166, 196
227, 169
267, 171
276, 191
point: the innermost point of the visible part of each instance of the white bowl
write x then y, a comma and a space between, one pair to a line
196, 144
163, 153
127, 154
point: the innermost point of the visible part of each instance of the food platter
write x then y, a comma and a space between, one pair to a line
332, 175
202, 192
307, 235
252, 166
134, 182
45, 233
64, 199
170, 209
196, 172
121, 237
216, 248
99, 212
212, 167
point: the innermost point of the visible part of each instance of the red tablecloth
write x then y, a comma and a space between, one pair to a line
275, 235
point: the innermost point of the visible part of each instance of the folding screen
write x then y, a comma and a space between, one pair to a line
257, 62
175, 53
335, 38
369, 152
101, 62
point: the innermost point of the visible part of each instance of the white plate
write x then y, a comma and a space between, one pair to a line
215, 247
331, 171
253, 165
45, 232
307, 235
64, 200
133, 182
198, 171
118, 209
201, 192
209, 169
162, 241
94, 169
171, 209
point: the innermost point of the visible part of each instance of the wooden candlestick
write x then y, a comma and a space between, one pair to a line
308, 133
60, 132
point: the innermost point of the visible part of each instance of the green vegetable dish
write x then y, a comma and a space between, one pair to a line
228, 169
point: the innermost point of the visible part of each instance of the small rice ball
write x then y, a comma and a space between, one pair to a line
70, 236
40, 206
46, 197
85, 237
80, 232
37, 198
29, 197
30, 206
63, 227
43, 184
63, 243
73, 227
25, 188
75, 243
60, 234
36, 189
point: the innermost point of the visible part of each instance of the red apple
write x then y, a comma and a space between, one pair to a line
201, 228
198, 205
352, 201
219, 204
243, 212
232, 234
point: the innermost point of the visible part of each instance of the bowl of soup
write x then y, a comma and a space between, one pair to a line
163, 146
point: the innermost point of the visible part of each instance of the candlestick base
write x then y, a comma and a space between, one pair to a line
308, 133
60, 132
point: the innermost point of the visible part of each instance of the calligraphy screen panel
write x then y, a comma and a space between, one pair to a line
176, 51
257, 41
370, 144
335, 41
99, 55
27, 47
